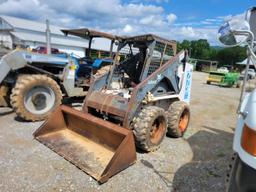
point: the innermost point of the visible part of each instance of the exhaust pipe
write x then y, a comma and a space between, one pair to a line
97, 147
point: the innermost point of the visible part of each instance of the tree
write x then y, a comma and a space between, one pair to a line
201, 49
230, 56
213, 54
184, 45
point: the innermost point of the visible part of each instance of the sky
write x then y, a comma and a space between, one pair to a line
172, 19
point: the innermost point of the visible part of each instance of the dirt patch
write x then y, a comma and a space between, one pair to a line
198, 162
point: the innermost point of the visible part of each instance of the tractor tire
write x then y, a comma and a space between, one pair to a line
102, 71
150, 128
178, 116
34, 97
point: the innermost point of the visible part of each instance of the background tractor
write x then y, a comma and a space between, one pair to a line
143, 98
34, 84
225, 79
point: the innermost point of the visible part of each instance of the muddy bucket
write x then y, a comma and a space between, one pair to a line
98, 147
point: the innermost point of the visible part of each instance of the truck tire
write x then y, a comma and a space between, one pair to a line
241, 176
34, 97
150, 128
178, 116
230, 178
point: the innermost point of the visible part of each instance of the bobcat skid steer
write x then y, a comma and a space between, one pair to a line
140, 100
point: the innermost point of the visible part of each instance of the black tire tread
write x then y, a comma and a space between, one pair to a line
17, 95
173, 116
229, 181
142, 124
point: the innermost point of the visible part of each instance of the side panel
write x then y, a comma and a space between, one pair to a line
252, 21
19, 59
186, 84
11, 61
168, 70
248, 101
4, 70
69, 81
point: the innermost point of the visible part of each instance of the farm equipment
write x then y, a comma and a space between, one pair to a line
223, 79
137, 102
243, 169
34, 84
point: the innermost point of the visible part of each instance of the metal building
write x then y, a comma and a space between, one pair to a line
25, 33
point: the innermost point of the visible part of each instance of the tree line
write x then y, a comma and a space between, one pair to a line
201, 49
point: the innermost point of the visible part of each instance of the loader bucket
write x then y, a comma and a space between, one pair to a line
98, 147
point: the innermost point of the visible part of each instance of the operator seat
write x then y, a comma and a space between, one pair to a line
133, 66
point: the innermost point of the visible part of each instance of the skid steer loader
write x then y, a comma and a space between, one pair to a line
137, 102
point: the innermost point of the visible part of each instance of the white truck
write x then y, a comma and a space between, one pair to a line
243, 170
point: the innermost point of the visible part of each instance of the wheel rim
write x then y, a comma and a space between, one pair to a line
157, 130
183, 123
39, 100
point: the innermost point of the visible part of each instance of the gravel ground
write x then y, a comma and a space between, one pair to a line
197, 162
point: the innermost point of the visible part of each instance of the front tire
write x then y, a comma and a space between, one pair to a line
241, 177
178, 116
150, 128
34, 97
230, 180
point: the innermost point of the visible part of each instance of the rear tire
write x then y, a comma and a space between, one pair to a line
178, 116
150, 128
34, 97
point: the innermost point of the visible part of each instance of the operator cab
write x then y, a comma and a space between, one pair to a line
144, 55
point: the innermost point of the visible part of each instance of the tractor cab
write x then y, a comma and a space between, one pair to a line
95, 60
92, 64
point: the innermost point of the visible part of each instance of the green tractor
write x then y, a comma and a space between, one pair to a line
223, 79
